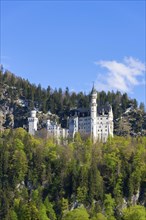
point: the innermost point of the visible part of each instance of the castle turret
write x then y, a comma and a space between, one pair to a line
48, 124
93, 109
110, 114
32, 123
73, 126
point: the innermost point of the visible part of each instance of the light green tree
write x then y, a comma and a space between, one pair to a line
64, 206
77, 214
134, 213
49, 209
99, 216
109, 204
42, 213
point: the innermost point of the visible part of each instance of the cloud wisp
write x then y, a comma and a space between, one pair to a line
122, 76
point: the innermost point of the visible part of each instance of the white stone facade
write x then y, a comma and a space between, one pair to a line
98, 124
32, 123
55, 130
94, 122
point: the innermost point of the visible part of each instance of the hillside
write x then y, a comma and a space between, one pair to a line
18, 97
41, 180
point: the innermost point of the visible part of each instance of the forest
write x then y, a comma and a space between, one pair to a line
59, 102
73, 180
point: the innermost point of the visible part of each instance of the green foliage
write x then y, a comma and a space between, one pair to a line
49, 209
81, 194
13, 215
99, 216
60, 102
43, 180
28, 211
64, 207
134, 213
77, 138
77, 214
43, 213
109, 204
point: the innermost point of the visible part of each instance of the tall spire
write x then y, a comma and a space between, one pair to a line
93, 89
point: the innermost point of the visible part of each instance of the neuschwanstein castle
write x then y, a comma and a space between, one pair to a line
95, 122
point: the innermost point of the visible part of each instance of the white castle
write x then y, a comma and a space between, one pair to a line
55, 130
96, 122
32, 123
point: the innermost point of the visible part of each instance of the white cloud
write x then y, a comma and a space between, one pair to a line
122, 76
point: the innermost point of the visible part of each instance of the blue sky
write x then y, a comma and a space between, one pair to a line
73, 43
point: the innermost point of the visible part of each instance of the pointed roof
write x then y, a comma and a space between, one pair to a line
93, 90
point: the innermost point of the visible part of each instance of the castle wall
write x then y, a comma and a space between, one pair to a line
33, 121
84, 125
98, 126
55, 130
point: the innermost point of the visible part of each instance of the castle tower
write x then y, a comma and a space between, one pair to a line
110, 114
93, 109
32, 123
48, 125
